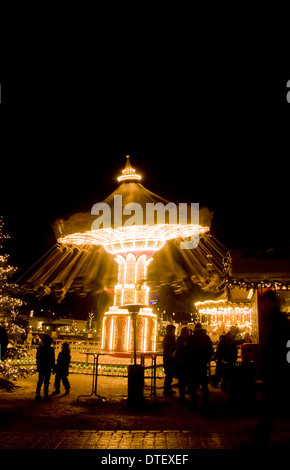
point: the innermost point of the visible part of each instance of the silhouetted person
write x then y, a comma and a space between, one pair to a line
199, 352
169, 347
230, 345
274, 332
36, 340
62, 366
218, 357
45, 360
247, 352
181, 361
226, 356
3, 341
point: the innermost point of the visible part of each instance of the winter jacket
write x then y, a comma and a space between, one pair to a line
45, 359
63, 361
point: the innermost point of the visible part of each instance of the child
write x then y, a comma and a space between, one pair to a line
45, 360
63, 361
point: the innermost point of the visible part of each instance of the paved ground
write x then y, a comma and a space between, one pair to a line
163, 423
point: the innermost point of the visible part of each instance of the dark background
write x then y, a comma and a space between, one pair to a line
209, 127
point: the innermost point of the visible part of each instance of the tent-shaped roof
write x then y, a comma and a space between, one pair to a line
132, 191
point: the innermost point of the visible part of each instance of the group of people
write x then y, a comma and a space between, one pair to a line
46, 365
187, 358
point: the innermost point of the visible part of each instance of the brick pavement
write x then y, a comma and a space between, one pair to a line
119, 440
73, 439
63, 423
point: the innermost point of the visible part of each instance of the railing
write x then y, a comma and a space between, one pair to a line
81, 346
109, 365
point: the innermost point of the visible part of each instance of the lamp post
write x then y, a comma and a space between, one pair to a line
135, 371
134, 311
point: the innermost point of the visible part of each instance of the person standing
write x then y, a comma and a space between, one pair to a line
181, 362
274, 368
247, 352
62, 366
45, 360
169, 348
219, 358
199, 352
228, 354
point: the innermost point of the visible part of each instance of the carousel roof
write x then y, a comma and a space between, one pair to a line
132, 191
78, 260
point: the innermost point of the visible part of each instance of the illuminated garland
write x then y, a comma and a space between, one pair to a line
229, 282
133, 238
263, 284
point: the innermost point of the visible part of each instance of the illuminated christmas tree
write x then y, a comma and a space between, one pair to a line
8, 303
9, 316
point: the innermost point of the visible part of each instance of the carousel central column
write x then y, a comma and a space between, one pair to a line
132, 276
131, 289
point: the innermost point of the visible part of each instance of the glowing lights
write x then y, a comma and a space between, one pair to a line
103, 335
217, 313
130, 177
251, 293
129, 174
128, 333
145, 311
111, 333
132, 287
134, 238
145, 333
227, 312
210, 302
118, 330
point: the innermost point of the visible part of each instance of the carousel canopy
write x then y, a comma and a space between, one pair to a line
132, 192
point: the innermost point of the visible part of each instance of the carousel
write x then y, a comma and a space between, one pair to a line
132, 225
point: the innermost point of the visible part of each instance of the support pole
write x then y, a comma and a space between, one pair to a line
135, 371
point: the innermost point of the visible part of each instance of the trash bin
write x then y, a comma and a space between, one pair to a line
135, 385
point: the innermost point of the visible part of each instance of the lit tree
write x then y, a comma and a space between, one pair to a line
90, 320
74, 327
8, 312
8, 303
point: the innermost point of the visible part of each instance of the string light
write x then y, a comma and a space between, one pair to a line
129, 173
134, 238
222, 313
8, 302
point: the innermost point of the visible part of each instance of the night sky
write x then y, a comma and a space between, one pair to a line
217, 136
